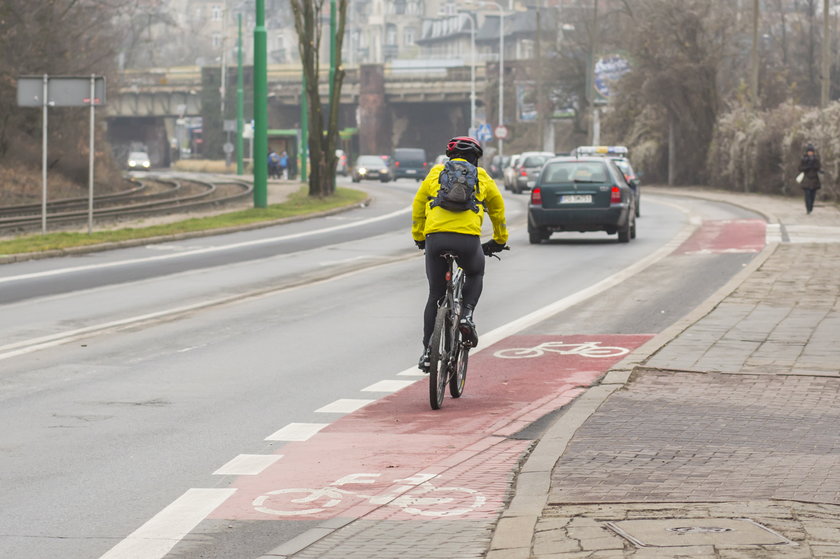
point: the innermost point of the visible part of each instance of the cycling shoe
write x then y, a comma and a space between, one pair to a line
425, 362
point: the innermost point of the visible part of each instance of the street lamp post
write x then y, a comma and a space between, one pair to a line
482, 3
472, 69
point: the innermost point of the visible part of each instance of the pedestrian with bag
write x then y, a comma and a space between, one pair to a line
809, 176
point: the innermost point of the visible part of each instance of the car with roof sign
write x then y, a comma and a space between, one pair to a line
621, 156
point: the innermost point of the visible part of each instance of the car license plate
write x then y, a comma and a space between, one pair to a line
576, 199
412, 171
531, 184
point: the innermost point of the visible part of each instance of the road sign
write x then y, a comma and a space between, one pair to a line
484, 133
501, 132
62, 91
228, 147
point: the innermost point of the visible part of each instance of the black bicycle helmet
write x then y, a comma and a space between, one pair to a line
464, 145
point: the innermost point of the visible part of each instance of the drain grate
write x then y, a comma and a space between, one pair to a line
679, 532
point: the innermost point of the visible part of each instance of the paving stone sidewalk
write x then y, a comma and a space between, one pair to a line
725, 442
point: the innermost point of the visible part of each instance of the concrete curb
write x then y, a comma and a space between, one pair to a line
513, 536
515, 530
22, 257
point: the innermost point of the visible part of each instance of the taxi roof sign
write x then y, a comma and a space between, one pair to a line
621, 151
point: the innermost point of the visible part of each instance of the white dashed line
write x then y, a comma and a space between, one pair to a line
389, 385
344, 405
296, 432
158, 536
248, 465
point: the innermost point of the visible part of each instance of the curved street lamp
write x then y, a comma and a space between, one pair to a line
493, 3
472, 69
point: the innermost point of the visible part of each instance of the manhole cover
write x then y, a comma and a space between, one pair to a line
678, 532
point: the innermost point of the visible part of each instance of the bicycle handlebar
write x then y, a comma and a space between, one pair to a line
494, 255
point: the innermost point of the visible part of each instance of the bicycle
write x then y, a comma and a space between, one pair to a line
449, 353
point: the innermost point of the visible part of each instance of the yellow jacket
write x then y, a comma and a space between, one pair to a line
425, 220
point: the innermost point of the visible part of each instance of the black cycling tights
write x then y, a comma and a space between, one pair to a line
470, 258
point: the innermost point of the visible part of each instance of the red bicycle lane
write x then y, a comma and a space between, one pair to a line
726, 236
396, 458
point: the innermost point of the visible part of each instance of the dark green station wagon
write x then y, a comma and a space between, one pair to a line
581, 194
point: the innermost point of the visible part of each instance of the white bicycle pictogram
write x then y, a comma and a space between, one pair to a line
584, 349
414, 495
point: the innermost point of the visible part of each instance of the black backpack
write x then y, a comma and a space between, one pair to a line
458, 187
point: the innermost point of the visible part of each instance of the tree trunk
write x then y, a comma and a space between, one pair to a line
322, 141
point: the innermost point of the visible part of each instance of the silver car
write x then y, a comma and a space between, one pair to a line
527, 171
509, 172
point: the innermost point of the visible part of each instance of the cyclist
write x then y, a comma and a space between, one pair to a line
437, 229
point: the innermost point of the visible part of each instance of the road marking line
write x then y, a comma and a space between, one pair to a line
296, 432
344, 405
207, 250
44, 342
158, 536
389, 385
412, 372
248, 465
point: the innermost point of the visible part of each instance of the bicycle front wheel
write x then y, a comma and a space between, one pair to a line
439, 358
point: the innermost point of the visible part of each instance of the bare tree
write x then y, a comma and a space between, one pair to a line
55, 37
322, 142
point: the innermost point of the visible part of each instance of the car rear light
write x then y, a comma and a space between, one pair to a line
523, 173
425, 163
396, 163
536, 196
615, 195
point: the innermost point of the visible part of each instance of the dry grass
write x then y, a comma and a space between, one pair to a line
297, 204
206, 166
23, 185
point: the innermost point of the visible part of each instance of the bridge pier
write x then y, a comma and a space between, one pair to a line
374, 118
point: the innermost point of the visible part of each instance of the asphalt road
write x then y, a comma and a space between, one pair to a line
130, 376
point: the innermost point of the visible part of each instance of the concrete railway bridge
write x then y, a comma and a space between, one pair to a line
382, 107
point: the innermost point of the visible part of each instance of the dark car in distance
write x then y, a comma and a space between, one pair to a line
371, 167
409, 163
581, 194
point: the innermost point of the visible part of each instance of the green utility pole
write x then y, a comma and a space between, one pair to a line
754, 55
240, 95
260, 110
304, 129
333, 24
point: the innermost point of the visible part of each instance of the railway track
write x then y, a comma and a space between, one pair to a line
148, 197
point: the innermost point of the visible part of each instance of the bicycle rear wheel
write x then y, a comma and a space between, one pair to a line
439, 348
459, 377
